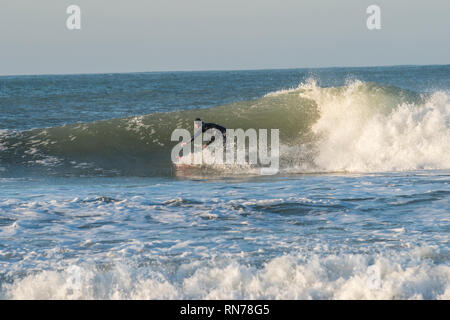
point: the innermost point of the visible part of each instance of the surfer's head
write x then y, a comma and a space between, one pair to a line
197, 123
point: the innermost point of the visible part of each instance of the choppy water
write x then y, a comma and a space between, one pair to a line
359, 210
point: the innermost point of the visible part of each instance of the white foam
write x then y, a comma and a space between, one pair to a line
363, 130
408, 275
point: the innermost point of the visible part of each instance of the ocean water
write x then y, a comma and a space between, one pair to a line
92, 208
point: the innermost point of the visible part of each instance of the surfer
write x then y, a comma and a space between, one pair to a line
202, 127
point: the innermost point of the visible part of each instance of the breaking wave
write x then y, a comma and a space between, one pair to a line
417, 274
359, 127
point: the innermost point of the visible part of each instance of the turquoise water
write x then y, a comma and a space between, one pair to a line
360, 208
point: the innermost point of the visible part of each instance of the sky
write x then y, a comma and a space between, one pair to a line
169, 35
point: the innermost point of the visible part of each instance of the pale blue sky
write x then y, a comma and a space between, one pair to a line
160, 35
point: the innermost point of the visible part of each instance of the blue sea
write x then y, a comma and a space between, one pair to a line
91, 206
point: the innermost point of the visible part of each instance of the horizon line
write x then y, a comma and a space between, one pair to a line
221, 70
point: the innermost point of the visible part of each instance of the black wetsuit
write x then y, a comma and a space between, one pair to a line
206, 126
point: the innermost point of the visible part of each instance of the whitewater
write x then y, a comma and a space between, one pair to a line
91, 206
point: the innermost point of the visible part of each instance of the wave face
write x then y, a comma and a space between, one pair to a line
359, 127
